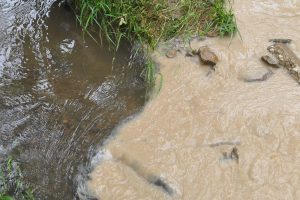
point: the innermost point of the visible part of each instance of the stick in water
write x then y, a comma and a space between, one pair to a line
284, 41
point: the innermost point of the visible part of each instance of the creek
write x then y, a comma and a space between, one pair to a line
61, 94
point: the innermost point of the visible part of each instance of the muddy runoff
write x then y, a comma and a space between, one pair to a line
213, 135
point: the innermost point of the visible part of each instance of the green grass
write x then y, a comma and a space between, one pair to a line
150, 74
12, 186
151, 21
223, 20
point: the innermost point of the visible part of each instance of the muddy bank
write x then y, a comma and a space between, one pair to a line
186, 136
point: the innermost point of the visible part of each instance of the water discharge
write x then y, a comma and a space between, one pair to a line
214, 136
59, 94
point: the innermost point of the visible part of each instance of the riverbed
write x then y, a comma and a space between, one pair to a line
209, 134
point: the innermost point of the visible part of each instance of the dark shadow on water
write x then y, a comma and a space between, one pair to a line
60, 96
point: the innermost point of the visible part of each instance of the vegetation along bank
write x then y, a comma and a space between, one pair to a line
150, 22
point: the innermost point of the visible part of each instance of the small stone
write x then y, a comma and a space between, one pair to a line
207, 56
270, 61
171, 54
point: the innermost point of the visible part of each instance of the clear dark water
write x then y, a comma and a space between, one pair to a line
61, 94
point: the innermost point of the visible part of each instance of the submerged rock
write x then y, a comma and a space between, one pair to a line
207, 56
256, 74
67, 46
171, 54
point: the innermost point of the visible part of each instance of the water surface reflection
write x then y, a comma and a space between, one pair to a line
59, 94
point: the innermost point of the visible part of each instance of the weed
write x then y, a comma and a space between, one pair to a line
5, 197
150, 22
12, 185
9, 166
150, 72
223, 19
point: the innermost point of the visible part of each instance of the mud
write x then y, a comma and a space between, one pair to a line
174, 137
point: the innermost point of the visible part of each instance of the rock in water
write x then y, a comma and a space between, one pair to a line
207, 56
256, 74
171, 53
286, 58
270, 61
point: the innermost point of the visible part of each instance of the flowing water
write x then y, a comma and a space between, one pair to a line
60, 95
212, 135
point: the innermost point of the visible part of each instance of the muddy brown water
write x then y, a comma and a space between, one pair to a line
60, 94
181, 145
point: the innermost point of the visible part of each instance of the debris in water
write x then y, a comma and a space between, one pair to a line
160, 183
207, 56
145, 174
234, 154
222, 143
284, 41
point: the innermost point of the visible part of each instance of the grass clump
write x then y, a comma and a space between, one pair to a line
151, 78
12, 186
150, 21
223, 20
